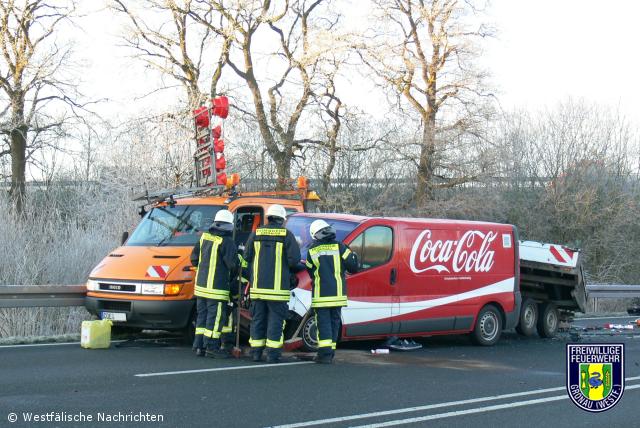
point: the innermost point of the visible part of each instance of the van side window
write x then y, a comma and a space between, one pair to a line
373, 246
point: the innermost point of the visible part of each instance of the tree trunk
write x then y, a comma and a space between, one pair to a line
283, 170
426, 165
18, 156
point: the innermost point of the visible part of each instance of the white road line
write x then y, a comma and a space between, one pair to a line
221, 369
430, 406
29, 345
472, 411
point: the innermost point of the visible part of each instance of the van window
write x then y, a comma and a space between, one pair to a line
248, 219
177, 225
373, 246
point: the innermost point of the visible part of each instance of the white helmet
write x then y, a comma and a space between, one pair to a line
224, 216
320, 226
277, 211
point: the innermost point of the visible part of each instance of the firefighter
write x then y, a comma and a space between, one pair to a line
327, 260
271, 256
217, 262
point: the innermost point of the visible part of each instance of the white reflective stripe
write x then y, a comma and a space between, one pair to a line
362, 311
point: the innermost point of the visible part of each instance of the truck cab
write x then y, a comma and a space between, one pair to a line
147, 282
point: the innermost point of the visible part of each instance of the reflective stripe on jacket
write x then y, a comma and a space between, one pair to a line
271, 252
326, 263
215, 257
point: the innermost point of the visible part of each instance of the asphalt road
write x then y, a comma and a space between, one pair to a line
517, 383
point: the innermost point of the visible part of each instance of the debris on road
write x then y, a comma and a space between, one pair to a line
380, 351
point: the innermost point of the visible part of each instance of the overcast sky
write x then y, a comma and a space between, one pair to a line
546, 50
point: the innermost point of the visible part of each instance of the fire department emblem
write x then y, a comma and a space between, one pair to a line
595, 375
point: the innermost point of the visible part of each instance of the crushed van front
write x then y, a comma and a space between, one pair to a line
143, 287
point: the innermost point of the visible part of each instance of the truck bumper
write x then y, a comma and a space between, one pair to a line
511, 318
148, 314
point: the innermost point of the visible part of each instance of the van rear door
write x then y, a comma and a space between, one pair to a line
371, 294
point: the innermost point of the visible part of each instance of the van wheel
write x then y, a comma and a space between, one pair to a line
528, 318
488, 326
548, 320
309, 333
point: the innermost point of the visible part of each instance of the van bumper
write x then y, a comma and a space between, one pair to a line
511, 318
147, 314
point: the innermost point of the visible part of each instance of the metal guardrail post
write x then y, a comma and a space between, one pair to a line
28, 296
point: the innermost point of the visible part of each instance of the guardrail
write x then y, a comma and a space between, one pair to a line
28, 296
613, 291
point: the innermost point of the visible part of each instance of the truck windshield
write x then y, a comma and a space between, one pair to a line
299, 226
178, 225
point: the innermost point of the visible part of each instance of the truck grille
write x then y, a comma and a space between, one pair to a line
131, 288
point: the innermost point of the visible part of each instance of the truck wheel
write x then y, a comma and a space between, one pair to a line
309, 333
528, 318
548, 320
488, 326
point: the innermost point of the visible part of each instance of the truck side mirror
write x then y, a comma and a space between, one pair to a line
125, 236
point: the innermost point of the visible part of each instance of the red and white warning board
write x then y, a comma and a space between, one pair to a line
548, 253
160, 271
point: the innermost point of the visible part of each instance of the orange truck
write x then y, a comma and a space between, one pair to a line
147, 283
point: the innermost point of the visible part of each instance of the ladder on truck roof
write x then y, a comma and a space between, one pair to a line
209, 160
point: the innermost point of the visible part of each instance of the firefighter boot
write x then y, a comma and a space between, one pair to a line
213, 348
256, 355
273, 356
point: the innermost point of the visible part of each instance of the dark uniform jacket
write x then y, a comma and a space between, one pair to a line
327, 261
216, 259
271, 253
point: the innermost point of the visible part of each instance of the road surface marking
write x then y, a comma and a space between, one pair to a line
28, 345
433, 406
472, 411
221, 369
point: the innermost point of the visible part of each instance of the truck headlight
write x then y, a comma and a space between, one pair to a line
93, 285
157, 289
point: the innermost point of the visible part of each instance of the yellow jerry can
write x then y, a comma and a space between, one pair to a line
96, 334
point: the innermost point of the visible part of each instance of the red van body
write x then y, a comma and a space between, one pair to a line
420, 277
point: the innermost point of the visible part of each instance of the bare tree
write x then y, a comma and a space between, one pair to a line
34, 81
169, 41
280, 101
427, 59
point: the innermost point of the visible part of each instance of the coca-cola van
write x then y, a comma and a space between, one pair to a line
424, 277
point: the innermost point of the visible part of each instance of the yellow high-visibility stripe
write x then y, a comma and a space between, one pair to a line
346, 254
325, 343
213, 262
207, 333
277, 278
257, 343
333, 345
211, 293
336, 274
266, 231
256, 262
316, 278
324, 248
199, 258
200, 330
216, 326
309, 265
229, 327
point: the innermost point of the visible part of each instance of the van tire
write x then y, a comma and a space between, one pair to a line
488, 327
548, 320
528, 321
309, 334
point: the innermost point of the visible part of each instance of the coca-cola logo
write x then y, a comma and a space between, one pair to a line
470, 253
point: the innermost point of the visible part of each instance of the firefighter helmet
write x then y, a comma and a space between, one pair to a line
320, 229
224, 216
277, 210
